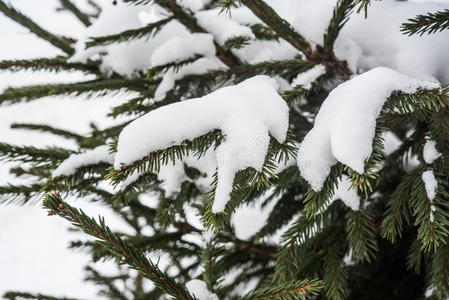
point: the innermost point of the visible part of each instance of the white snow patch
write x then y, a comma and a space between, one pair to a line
197, 67
305, 79
198, 288
179, 48
391, 142
221, 26
245, 113
249, 218
90, 157
429, 292
430, 152
173, 175
345, 193
430, 184
345, 125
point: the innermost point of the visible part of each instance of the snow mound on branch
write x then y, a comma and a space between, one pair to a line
305, 79
249, 218
125, 58
245, 113
376, 40
345, 125
90, 157
222, 26
198, 67
430, 183
430, 152
198, 288
347, 194
178, 49
173, 175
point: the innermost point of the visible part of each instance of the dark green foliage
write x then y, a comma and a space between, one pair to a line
394, 247
58, 63
430, 23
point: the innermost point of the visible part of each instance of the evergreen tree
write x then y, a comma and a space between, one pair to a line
386, 239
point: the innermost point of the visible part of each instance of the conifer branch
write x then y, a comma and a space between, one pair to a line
120, 248
430, 23
19, 194
279, 25
361, 236
153, 161
50, 129
67, 4
28, 93
147, 31
286, 31
56, 64
339, 18
226, 56
291, 290
32, 154
36, 29
14, 295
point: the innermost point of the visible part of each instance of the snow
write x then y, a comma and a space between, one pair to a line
430, 184
305, 79
198, 288
347, 194
249, 218
391, 142
173, 175
222, 26
375, 41
197, 67
178, 49
245, 113
90, 157
429, 292
345, 125
193, 5
430, 153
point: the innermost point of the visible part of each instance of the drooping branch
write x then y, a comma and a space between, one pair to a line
36, 29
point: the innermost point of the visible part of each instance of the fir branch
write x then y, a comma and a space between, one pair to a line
32, 154
361, 234
109, 290
46, 128
19, 194
263, 32
335, 276
291, 290
236, 42
429, 23
28, 93
36, 29
339, 18
13, 295
227, 57
67, 4
56, 64
316, 202
398, 209
363, 5
147, 31
153, 161
279, 25
120, 248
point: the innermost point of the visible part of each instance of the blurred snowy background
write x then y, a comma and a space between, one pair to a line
33, 247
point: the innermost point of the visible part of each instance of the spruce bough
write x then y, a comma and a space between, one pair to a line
393, 245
